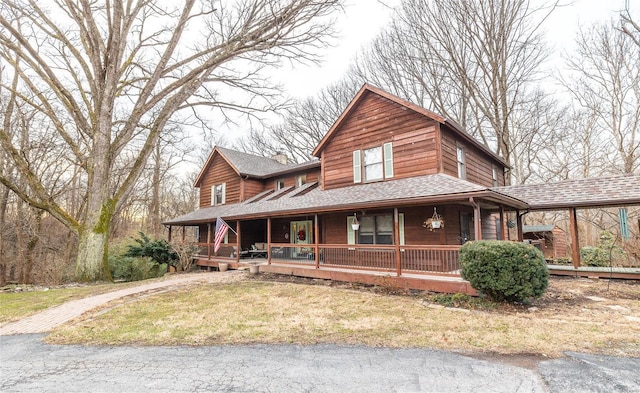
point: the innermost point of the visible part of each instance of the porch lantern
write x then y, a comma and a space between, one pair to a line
355, 225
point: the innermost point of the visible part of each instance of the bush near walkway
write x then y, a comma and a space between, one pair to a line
504, 271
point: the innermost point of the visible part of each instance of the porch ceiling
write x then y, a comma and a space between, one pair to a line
429, 189
582, 193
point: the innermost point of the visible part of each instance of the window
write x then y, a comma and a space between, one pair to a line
462, 169
465, 227
301, 180
373, 164
218, 194
495, 176
279, 184
374, 230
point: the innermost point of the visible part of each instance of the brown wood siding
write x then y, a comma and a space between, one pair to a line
479, 166
560, 245
335, 225
373, 122
220, 171
489, 226
251, 187
335, 228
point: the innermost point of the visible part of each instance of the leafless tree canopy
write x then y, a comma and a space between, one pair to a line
105, 78
605, 85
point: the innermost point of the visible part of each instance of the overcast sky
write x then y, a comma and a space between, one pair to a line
363, 20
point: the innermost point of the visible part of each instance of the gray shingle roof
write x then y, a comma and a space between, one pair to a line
600, 192
595, 192
252, 165
537, 228
356, 196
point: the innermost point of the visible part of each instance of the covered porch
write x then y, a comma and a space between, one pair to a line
370, 244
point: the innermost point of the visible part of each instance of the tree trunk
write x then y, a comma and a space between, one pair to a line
93, 246
154, 208
92, 261
4, 198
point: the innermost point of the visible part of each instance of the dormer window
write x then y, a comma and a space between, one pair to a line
218, 196
279, 184
301, 180
373, 164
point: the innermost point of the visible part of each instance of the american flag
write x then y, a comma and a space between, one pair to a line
221, 230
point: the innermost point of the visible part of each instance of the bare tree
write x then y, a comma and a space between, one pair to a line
605, 83
304, 125
629, 25
109, 76
473, 61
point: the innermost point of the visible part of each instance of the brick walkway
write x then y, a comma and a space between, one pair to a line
48, 319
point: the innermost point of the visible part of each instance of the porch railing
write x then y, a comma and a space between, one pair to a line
441, 259
205, 250
413, 259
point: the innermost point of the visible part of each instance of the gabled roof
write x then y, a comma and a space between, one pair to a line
245, 164
581, 193
367, 88
438, 188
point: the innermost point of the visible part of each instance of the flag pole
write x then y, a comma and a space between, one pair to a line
228, 226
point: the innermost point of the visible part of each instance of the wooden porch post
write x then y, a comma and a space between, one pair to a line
519, 222
238, 241
316, 229
268, 240
575, 241
396, 240
209, 240
477, 225
184, 233
503, 233
169, 237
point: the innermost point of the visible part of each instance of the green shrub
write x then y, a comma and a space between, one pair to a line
504, 271
125, 268
158, 250
603, 254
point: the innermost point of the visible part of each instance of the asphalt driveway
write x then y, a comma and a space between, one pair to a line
28, 365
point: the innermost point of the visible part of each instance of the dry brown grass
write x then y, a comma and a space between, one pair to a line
296, 312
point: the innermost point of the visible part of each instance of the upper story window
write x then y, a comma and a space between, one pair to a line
301, 180
372, 160
462, 166
495, 176
218, 192
279, 184
373, 164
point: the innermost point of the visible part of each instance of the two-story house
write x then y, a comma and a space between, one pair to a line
395, 189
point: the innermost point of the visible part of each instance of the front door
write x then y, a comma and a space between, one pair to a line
301, 232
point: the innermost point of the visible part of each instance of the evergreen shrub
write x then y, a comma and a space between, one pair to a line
504, 271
